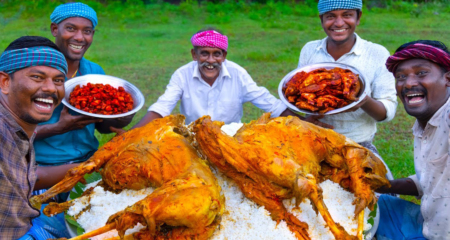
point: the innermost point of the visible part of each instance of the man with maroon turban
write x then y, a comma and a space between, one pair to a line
212, 85
422, 72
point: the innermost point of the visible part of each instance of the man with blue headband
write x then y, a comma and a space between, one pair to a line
68, 137
32, 75
339, 19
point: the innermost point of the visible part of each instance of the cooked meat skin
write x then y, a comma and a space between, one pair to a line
307, 90
284, 157
188, 199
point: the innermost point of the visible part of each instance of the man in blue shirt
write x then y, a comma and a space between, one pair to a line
68, 137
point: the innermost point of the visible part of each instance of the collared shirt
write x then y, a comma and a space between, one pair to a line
73, 146
432, 178
369, 58
17, 178
222, 101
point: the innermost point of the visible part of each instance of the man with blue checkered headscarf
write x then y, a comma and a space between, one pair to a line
68, 137
339, 19
32, 75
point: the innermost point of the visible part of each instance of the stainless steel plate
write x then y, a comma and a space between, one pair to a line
308, 68
138, 98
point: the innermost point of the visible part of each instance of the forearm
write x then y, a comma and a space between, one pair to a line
288, 112
49, 176
402, 186
375, 109
150, 116
47, 130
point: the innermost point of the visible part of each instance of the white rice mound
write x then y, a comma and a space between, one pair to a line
339, 203
103, 204
242, 219
231, 129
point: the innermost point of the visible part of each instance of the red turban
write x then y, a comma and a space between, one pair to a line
419, 50
210, 38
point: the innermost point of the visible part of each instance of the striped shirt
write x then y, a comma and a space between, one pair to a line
17, 178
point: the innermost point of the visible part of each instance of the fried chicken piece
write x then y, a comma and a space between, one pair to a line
339, 83
285, 157
157, 155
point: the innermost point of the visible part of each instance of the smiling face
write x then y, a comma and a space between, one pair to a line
340, 25
209, 62
422, 86
33, 93
73, 36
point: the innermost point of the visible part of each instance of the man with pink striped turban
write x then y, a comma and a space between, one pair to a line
212, 85
422, 72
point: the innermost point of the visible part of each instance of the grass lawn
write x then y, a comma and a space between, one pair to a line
145, 44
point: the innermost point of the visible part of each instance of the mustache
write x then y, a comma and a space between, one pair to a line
414, 89
204, 64
46, 95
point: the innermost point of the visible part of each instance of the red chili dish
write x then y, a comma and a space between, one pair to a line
101, 99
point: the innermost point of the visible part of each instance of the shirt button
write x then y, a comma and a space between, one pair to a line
424, 141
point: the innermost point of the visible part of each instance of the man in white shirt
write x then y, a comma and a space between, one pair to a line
422, 72
339, 19
212, 85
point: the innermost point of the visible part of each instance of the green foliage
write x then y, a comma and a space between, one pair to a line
76, 193
372, 215
71, 220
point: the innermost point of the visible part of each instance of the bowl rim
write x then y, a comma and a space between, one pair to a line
100, 78
327, 65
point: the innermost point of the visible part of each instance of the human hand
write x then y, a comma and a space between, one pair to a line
68, 122
118, 131
314, 119
124, 121
359, 105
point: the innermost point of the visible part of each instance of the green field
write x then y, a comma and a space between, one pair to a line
145, 44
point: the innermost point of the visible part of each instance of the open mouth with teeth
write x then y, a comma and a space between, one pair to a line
210, 67
44, 104
414, 98
76, 47
339, 30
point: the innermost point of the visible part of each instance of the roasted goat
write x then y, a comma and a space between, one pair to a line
187, 203
284, 157
322, 90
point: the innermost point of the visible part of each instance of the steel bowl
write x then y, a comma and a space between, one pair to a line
138, 98
327, 65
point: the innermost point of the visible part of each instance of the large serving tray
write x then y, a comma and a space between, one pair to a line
327, 65
138, 98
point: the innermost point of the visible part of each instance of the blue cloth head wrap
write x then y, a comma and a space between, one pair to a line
330, 5
17, 59
77, 9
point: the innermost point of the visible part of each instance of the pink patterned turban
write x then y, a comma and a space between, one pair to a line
210, 38
419, 50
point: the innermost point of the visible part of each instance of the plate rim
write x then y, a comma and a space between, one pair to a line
100, 76
314, 66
